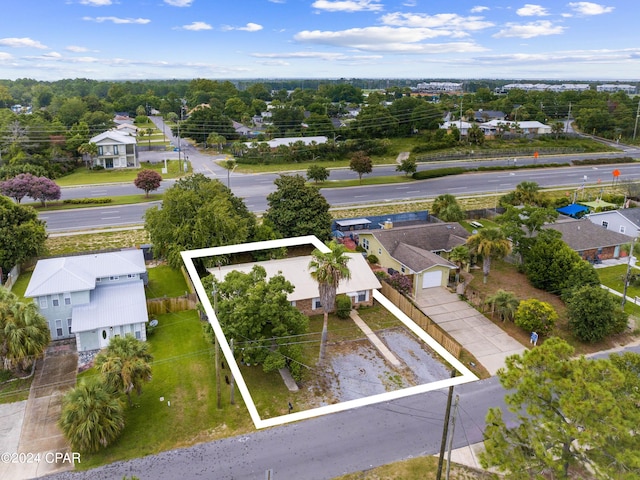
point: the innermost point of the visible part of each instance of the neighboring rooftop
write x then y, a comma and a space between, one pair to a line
583, 235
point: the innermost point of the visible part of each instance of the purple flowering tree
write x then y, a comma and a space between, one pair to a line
44, 189
17, 187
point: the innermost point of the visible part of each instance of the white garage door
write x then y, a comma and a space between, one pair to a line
432, 279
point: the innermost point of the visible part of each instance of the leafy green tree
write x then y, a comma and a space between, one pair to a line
317, 173
90, 149
255, 311
521, 225
536, 316
408, 166
147, 180
360, 163
594, 314
447, 209
571, 414
91, 416
124, 365
504, 303
489, 243
328, 269
297, 208
476, 135
461, 257
22, 234
526, 193
551, 265
197, 212
24, 333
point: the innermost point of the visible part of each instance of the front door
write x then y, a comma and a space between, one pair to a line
108, 163
104, 337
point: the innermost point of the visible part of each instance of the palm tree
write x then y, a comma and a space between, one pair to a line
447, 209
24, 333
328, 269
90, 149
504, 304
460, 256
229, 164
489, 243
124, 365
91, 416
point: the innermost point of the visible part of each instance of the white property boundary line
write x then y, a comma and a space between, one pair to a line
465, 376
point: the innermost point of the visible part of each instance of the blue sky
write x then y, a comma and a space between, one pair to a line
218, 39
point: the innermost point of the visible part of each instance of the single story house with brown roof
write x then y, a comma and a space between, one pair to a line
418, 251
590, 240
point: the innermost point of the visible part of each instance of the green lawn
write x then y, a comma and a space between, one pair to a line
14, 390
164, 281
365, 181
82, 176
119, 200
21, 285
183, 374
613, 277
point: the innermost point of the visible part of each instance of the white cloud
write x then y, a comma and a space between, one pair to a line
410, 3
179, 3
589, 8
387, 39
76, 49
24, 42
530, 10
568, 56
277, 1
479, 9
4, 56
117, 20
529, 30
445, 21
316, 55
348, 5
96, 3
197, 26
249, 27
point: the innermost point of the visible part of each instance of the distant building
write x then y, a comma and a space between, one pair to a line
614, 87
542, 87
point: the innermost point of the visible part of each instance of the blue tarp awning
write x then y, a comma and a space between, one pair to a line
572, 210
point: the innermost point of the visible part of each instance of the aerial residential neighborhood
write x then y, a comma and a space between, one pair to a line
319, 240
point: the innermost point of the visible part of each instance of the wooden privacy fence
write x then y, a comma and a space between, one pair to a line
415, 314
158, 306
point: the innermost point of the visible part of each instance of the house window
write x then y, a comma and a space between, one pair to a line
365, 243
59, 328
100, 150
115, 149
402, 269
131, 275
43, 302
315, 304
55, 301
69, 325
114, 277
379, 251
622, 228
293, 303
138, 335
605, 224
67, 298
362, 296
98, 280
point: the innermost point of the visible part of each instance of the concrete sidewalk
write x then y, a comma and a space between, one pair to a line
475, 332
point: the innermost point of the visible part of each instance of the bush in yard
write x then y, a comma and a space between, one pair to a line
535, 316
400, 282
343, 306
594, 314
372, 259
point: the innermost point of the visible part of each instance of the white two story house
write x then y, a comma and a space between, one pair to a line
92, 297
115, 150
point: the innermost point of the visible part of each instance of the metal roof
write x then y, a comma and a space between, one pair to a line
110, 306
79, 273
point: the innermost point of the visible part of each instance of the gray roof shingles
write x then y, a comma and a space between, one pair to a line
583, 235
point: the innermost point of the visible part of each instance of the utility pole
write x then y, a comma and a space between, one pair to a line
635, 129
626, 277
217, 349
453, 429
566, 128
445, 428
233, 382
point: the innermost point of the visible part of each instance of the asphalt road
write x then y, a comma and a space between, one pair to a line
255, 188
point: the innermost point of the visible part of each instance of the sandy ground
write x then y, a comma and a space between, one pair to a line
357, 369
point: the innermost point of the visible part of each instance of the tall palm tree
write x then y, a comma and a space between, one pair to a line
24, 333
460, 256
91, 416
90, 149
328, 269
489, 243
124, 365
504, 304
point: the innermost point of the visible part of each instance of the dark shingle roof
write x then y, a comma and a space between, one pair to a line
583, 235
418, 259
631, 214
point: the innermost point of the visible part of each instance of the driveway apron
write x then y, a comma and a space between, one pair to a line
471, 329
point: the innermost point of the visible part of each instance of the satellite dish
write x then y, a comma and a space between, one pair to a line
153, 323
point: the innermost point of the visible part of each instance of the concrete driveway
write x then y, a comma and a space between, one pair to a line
476, 333
30, 432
